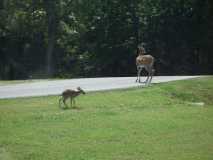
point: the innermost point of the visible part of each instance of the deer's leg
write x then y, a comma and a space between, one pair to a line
139, 74
59, 102
71, 102
152, 73
64, 101
149, 70
147, 79
74, 102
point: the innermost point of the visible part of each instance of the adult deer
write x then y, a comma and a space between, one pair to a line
144, 61
72, 94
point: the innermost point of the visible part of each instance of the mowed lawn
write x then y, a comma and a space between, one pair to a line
169, 121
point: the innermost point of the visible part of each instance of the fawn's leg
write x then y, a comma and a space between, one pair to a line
71, 102
74, 102
59, 102
64, 101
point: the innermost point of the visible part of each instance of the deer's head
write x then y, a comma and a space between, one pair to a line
81, 90
141, 49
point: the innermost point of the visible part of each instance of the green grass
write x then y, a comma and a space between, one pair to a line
161, 122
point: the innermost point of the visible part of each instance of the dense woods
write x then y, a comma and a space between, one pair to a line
88, 38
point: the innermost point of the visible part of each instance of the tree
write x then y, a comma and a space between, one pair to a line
76, 38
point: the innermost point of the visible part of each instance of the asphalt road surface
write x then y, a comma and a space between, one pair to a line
55, 87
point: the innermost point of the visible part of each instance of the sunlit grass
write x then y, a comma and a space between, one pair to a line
154, 123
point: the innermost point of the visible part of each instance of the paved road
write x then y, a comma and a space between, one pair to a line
55, 87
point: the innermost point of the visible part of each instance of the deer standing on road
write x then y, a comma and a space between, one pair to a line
146, 62
72, 94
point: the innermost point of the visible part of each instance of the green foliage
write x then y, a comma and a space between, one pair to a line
99, 37
151, 122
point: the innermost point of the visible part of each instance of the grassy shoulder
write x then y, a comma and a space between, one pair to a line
165, 121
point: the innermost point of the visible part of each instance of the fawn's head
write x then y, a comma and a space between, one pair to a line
81, 90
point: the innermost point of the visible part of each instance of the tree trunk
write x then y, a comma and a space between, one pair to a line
135, 20
49, 53
51, 39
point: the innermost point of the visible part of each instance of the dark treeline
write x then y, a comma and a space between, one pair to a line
87, 38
